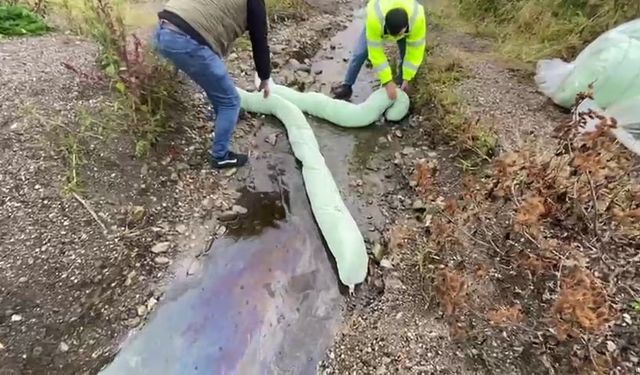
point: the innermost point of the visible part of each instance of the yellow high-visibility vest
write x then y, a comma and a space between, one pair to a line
416, 37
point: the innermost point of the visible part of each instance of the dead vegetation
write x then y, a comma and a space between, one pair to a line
536, 264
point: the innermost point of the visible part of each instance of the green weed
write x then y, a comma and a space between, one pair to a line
533, 29
144, 82
281, 10
18, 20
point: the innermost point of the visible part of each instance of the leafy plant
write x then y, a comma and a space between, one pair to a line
143, 81
17, 20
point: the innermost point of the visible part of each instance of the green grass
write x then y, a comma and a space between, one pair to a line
279, 10
17, 20
532, 29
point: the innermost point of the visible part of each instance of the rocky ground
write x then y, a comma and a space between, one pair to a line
457, 297
89, 233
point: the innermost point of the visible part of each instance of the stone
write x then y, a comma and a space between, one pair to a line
133, 322
16, 317
136, 214
239, 209
418, 205
208, 203
151, 303
377, 251
181, 228
408, 150
228, 215
161, 260
194, 268
141, 310
161, 247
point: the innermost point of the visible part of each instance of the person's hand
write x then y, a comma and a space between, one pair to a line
405, 86
391, 90
264, 86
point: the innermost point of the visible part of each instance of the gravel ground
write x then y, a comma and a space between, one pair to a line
500, 93
78, 271
70, 290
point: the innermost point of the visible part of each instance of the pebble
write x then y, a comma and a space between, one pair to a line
408, 150
181, 228
161, 247
161, 260
133, 322
418, 205
208, 203
194, 268
228, 215
63, 347
141, 310
377, 251
386, 263
16, 317
231, 172
151, 303
221, 230
137, 213
239, 209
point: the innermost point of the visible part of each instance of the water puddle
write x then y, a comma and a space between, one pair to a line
267, 300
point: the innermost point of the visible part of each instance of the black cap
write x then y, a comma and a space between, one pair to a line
396, 20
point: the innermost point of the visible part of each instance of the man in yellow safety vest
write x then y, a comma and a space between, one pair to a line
401, 21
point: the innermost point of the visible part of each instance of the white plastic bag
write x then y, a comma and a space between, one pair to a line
611, 64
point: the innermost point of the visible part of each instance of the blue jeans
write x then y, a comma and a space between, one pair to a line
360, 55
208, 70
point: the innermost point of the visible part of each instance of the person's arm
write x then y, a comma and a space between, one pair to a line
375, 47
257, 26
416, 42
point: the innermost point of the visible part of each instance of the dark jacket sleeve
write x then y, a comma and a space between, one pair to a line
257, 25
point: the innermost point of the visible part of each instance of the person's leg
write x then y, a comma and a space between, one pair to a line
358, 57
206, 69
402, 49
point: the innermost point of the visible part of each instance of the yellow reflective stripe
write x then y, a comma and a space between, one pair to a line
381, 67
408, 65
374, 43
415, 43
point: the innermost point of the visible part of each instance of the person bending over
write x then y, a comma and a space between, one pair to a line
195, 35
400, 21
